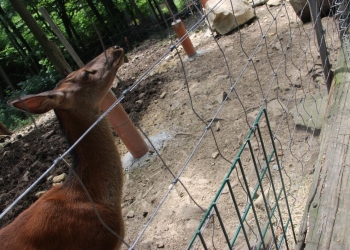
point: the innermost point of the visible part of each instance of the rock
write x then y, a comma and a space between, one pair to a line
5, 153
259, 203
277, 46
275, 167
40, 193
59, 178
130, 214
162, 95
223, 19
254, 3
58, 183
274, 2
217, 126
141, 95
311, 171
19, 136
139, 102
25, 176
251, 190
215, 155
221, 78
160, 244
48, 134
221, 97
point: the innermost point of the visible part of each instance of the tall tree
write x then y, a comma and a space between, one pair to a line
137, 11
98, 15
50, 49
172, 6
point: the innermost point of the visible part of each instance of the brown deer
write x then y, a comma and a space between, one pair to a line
64, 217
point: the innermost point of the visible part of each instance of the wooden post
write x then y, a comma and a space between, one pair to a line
61, 37
325, 222
186, 43
124, 127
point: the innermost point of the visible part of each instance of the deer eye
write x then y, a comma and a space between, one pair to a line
85, 75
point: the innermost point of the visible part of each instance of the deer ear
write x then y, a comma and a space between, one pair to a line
40, 103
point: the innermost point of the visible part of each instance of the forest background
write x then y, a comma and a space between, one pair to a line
84, 23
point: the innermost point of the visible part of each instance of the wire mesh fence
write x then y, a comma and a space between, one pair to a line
244, 116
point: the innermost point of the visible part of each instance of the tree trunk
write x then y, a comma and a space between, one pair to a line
49, 48
130, 12
15, 30
65, 18
19, 49
159, 10
16, 34
137, 11
98, 16
158, 19
77, 37
172, 6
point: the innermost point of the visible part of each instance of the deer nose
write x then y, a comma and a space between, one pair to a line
116, 47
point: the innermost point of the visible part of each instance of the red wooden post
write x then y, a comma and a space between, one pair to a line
124, 127
186, 43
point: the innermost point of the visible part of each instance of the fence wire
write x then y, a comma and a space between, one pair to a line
249, 103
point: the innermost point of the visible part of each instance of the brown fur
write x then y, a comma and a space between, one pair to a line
63, 218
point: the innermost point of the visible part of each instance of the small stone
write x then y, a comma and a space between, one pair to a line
221, 78
59, 178
48, 134
19, 136
311, 171
217, 126
275, 167
251, 190
139, 102
215, 155
5, 153
58, 183
25, 176
160, 244
130, 214
278, 46
141, 95
40, 193
162, 95
280, 153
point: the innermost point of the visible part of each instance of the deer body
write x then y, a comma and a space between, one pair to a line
64, 218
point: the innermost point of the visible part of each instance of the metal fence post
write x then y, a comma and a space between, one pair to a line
315, 15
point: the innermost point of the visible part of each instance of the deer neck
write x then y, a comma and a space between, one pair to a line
96, 159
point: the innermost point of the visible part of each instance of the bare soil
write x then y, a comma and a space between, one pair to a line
189, 104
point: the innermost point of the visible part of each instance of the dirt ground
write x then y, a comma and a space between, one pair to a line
184, 113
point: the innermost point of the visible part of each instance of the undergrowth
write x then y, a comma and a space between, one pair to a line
13, 118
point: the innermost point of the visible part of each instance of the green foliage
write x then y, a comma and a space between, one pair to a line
12, 118
21, 55
45, 80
